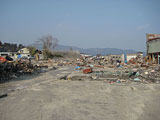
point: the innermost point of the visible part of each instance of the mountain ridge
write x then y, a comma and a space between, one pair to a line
91, 51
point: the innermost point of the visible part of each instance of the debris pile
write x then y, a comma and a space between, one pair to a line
124, 75
12, 69
98, 69
86, 68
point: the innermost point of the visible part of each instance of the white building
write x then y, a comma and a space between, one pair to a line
135, 55
24, 52
13, 55
130, 56
114, 58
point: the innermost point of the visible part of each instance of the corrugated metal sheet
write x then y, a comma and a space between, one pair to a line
154, 46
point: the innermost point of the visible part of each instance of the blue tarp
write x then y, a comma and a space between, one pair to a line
19, 56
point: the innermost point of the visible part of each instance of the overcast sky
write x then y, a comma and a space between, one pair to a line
82, 23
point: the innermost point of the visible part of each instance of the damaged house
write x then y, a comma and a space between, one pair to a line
8, 49
24, 53
138, 56
153, 48
112, 59
13, 50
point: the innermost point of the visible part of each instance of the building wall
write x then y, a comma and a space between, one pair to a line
153, 46
130, 56
25, 55
24, 51
113, 58
11, 54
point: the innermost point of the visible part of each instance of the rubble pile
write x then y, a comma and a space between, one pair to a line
115, 75
86, 68
97, 69
13, 69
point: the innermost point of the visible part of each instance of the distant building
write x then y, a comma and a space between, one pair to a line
24, 52
138, 56
11, 54
130, 56
153, 48
84, 55
112, 59
13, 50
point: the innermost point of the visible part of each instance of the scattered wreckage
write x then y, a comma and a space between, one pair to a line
133, 71
10, 68
85, 68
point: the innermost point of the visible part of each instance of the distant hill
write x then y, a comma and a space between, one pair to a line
90, 51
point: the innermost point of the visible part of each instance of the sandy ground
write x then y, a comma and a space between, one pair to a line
45, 97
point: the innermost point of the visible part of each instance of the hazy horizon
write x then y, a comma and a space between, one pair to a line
121, 24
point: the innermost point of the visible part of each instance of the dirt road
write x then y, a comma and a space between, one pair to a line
46, 97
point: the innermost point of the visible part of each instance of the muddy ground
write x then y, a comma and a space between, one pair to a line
46, 97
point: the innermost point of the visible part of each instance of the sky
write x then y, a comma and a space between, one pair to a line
83, 23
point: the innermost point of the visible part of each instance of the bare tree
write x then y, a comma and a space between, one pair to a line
49, 42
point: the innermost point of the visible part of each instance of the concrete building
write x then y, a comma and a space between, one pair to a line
112, 59
130, 56
138, 56
153, 48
